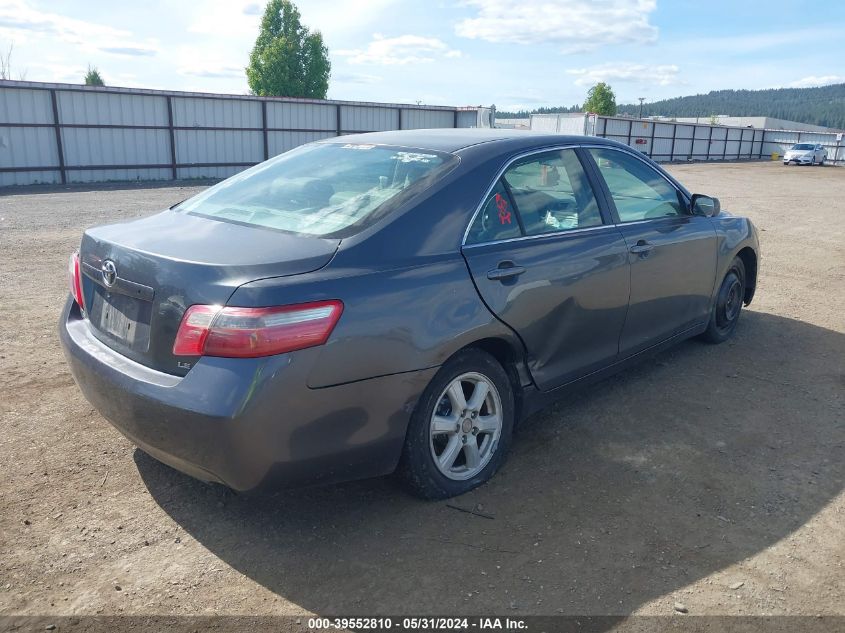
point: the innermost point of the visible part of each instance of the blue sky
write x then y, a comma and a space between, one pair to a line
514, 53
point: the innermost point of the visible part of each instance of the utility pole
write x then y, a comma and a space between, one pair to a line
641, 106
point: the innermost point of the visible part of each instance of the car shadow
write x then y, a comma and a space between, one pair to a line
695, 460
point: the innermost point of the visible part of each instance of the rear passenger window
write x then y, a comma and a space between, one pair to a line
497, 219
552, 193
542, 193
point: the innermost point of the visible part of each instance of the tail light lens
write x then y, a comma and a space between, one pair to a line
250, 332
75, 279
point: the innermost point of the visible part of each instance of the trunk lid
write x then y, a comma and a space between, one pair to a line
139, 277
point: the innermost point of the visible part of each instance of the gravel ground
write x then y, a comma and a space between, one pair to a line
709, 475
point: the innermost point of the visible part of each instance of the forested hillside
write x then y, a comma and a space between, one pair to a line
819, 106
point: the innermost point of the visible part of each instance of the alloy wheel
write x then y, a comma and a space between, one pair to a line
465, 426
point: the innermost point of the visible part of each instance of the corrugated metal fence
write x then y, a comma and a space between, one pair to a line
781, 140
667, 141
57, 133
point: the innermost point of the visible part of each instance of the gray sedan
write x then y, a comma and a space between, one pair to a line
394, 301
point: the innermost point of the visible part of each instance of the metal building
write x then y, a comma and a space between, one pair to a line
762, 122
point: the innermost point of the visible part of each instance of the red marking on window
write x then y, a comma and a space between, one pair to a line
504, 214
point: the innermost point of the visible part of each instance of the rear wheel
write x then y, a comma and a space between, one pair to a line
728, 305
460, 431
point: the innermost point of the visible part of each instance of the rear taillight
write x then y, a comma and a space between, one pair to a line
249, 332
75, 279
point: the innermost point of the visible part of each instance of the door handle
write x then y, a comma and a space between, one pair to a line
641, 248
505, 272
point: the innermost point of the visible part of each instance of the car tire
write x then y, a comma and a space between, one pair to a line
728, 304
437, 460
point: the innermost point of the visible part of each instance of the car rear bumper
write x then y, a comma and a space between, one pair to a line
246, 423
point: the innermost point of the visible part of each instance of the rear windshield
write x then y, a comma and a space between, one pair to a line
322, 189
803, 146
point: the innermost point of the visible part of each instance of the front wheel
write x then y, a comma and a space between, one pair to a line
461, 428
728, 305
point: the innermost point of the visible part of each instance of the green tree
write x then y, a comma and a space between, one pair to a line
93, 78
288, 60
601, 100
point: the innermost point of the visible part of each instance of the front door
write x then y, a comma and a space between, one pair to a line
549, 266
672, 253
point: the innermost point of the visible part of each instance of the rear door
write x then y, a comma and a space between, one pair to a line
672, 253
550, 266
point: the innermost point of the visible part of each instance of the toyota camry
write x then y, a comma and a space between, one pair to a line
393, 302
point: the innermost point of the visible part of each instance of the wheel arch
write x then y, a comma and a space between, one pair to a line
512, 359
749, 260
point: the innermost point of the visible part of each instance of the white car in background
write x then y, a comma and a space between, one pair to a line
805, 154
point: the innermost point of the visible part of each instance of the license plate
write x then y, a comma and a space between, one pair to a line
119, 324
123, 318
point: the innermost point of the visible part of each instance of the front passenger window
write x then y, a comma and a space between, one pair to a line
638, 191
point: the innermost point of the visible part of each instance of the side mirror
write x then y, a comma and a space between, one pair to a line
705, 205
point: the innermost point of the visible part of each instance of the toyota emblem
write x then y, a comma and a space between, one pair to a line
109, 272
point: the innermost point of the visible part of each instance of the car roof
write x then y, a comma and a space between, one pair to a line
453, 140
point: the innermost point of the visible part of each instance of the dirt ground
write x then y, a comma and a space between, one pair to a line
708, 475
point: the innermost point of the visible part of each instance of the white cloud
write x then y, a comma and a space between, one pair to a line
56, 71
662, 75
225, 18
356, 78
574, 25
19, 21
228, 18
127, 80
404, 49
814, 80
211, 70
132, 51
335, 19
207, 63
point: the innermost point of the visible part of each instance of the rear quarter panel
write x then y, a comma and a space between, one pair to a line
393, 321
